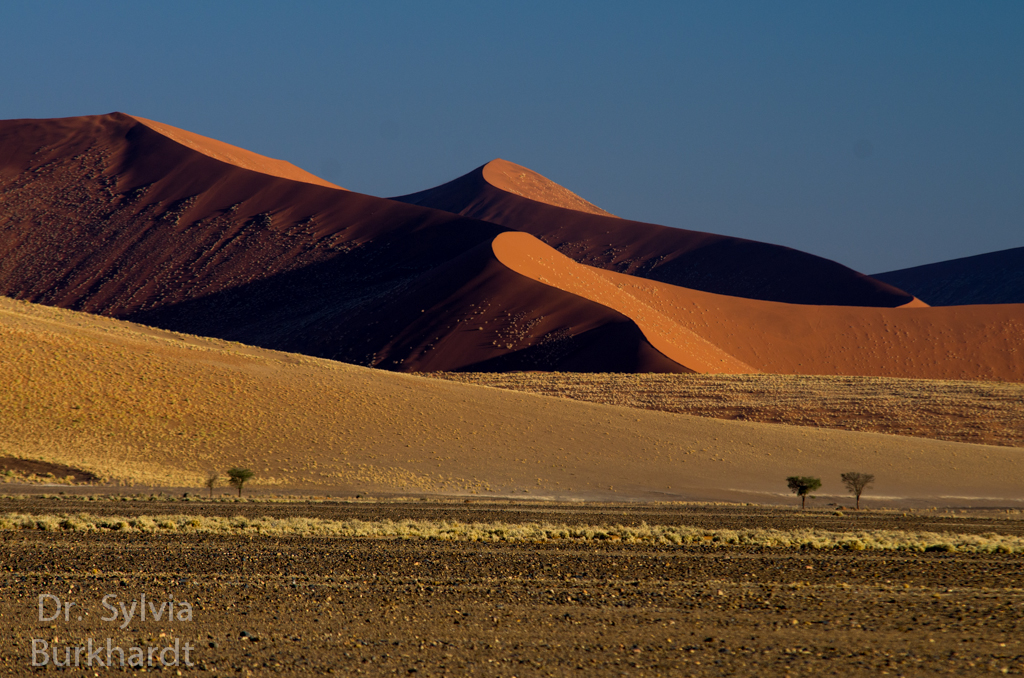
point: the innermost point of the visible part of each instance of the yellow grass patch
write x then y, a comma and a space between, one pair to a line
874, 540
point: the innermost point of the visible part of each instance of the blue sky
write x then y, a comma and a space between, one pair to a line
879, 134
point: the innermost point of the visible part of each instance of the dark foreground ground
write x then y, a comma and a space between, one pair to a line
309, 606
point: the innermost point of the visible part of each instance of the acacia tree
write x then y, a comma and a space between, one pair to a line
212, 482
802, 486
237, 477
856, 482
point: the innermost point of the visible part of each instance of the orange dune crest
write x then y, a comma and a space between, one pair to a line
218, 150
528, 256
526, 183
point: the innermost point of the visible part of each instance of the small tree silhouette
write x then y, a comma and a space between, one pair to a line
238, 476
802, 486
856, 482
212, 482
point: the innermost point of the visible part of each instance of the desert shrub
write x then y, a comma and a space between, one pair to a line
856, 482
802, 486
238, 476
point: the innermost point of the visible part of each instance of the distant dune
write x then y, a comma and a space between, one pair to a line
711, 333
703, 261
993, 278
138, 405
526, 183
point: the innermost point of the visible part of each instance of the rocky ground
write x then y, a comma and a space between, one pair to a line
309, 606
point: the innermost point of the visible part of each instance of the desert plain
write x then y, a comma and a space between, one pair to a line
493, 430
454, 603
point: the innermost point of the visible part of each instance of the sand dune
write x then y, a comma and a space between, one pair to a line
956, 342
526, 183
993, 278
142, 405
693, 259
108, 215
528, 256
234, 155
144, 222
714, 334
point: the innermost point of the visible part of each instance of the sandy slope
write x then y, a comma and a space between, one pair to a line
956, 342
530, 257
690, 258
475, 312
711, 333
524, 182
147, 405
108, 215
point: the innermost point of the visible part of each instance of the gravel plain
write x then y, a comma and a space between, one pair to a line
309, 606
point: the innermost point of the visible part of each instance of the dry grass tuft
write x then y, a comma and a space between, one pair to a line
871, 540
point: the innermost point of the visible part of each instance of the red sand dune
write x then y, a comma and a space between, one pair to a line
233, 155
107, 215
526, 183
143, 222
712, 333
110, 215
955, 342
693, 259
528, 256
477, 313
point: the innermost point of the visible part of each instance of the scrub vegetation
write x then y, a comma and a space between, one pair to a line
680, 535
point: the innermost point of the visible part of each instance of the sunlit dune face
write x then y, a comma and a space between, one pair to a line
528, 256
718, 334
236, 156
526, 183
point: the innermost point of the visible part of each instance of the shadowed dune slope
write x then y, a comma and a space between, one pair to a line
693, 259
955, 342
993, 278
104, 214
142, 221
141, 405
478, 313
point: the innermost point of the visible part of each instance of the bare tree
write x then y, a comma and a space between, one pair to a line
212, 482
856, 482
802, 486
237, 477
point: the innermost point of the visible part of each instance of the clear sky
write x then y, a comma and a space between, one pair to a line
879, 134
